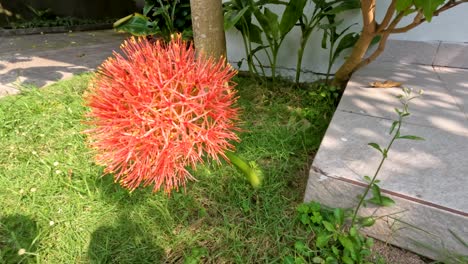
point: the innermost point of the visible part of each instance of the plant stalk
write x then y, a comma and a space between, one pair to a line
384, 157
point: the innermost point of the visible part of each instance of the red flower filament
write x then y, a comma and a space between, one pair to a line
157, 110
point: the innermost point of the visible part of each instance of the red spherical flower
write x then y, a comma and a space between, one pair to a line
157, 109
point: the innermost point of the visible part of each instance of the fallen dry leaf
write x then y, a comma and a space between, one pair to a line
385, 84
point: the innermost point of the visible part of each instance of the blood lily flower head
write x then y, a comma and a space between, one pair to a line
157, 109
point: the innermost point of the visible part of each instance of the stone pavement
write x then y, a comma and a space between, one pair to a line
427, 179
43, 59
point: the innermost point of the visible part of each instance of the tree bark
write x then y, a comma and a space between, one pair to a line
372, 29
368, 33
208, 28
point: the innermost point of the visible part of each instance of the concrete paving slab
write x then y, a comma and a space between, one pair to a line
423, 170
457, 82
440, 107
35, 43
452, 55
40, 60
427, 179
409, 52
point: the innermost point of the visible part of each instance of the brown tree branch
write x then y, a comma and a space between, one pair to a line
420, 19
382, 43
388, 16
368, 16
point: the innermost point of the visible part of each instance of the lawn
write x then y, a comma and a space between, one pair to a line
58, 207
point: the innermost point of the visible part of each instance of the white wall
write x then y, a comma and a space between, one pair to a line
450, 26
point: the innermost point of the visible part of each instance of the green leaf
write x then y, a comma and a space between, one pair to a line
232, 17
394, 124
316, 217
269, 23
331, 26
147, 8
317, 260
288, 260
300, 246
324, 39
346, 243
304, 219
292, 13
376, 146
335, 251
378, 199
331, 260
303, 208
387, 201
367, 179
346, 42
369, 242
329, 226
339, 216
376, 191
347, 260
376, 40
353, 231
367, 221
315, 206
383, 201
322, 240
344, 6
402, 5
255, 34
137, 25
411, 137
365, 252
428, 7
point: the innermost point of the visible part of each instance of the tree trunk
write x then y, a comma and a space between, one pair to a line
369, 29
352, 62
208, 28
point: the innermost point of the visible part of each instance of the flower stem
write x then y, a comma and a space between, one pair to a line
371, 183
253, 174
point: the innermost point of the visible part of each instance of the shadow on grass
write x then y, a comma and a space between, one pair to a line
18, 239
126, 242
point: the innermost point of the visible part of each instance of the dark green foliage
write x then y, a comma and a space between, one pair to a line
336, 232
333, 240
159, 18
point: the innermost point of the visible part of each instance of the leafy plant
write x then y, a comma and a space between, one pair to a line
159, 17
271, 29
57, 22
377, 197
275, 29
324, 9
336, 231
331, 33
238, 14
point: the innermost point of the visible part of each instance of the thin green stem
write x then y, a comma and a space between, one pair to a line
330, 62
384, 157
300, 53
253, 174
306, 31
247, 53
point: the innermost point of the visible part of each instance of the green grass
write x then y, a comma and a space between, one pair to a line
56, 205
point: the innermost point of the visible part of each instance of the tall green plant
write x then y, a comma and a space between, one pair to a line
271, 31
238, 14
337, 231
162, 18
275, 29
309, 23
